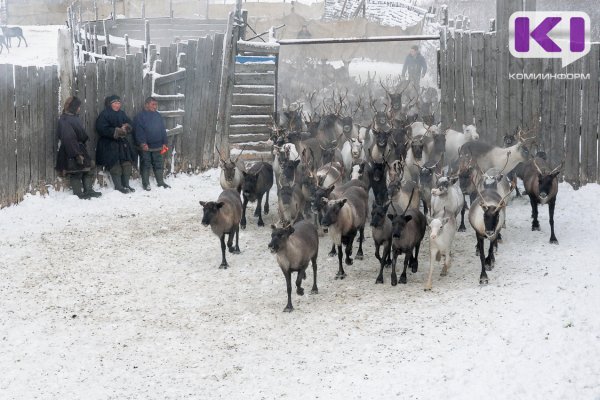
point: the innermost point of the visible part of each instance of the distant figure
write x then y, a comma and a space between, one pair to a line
304, 33
3, 43
415, 65
13, 32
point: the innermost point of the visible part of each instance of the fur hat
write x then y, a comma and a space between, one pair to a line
111, 99
72, 105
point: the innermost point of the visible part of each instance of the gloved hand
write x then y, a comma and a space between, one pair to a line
164, 149
144, 147
79, 159
119, 133
127, 128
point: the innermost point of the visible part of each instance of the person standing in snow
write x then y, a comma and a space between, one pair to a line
304, 33
416, 67
73, 158
151, 138
115, 150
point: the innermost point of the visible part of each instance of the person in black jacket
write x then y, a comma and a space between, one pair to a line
115, 150
415, 65
73, 158
151, 138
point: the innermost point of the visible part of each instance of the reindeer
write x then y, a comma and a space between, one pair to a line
11, 33
542, 188
295, 246
486, 216
232, 174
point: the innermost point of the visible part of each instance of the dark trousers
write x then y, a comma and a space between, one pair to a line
151, 160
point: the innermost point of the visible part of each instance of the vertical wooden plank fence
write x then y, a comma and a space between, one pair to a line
561, 113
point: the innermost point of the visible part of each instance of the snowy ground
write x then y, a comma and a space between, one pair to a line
121, 297
42, 41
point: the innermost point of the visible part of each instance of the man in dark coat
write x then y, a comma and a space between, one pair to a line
73, 158
115, 150
416, 66
151, 138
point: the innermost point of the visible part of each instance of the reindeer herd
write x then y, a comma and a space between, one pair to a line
399, 173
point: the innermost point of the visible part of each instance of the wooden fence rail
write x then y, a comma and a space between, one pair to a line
537, 95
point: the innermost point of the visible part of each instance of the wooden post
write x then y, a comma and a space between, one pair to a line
106, 37
114, 9
127, 48
492, 24
171, 8
445, 15
143, 10
226, 86
95, 11
147, 32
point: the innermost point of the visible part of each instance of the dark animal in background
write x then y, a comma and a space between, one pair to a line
295, 246
223, 216
257, 183
291, 204
541, 184
14, 32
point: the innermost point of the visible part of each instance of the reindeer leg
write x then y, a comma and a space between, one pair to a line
288, 282
314, 289
535, 225
230, 241
394, 278
332, 253
490, 260
236, 249
361, 238
462, 226
224, 264
266, 209
407, 258
387, 254
299, 277
260, 220
483, 279
414, 261
349, 242
432, 254
340, 274
243, 220
551, 205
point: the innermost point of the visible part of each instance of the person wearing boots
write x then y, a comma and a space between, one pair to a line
151, 138
73, 158
115, 150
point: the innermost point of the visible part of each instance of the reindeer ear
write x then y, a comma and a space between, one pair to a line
273, 227
391, 217
407, 218
453, 180
290, 229
245, 173
344, 201
203, 203
445, 220
220, 204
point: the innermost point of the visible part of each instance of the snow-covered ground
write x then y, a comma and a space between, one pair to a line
120, 297
42, 50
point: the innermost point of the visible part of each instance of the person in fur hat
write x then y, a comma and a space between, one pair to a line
116, 151
73, 159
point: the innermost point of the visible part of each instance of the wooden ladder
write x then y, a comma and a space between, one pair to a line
254, 98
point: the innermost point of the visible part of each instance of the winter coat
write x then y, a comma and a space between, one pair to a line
415, 66
109, 150
72, 136
149, 128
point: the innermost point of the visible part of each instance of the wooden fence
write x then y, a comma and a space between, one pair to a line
534, 94
28, 143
